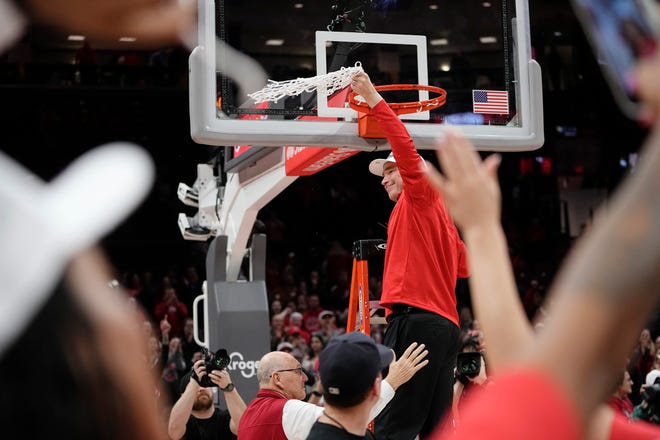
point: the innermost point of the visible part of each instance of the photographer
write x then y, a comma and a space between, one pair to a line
193, 416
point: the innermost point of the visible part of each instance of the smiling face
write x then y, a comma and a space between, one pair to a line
392, 181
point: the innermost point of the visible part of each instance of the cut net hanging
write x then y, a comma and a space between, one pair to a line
333, 81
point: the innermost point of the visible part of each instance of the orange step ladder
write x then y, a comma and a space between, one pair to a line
361, 311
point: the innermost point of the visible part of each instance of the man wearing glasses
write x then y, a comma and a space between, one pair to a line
278, 412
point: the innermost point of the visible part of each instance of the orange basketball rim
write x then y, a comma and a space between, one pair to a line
368, 127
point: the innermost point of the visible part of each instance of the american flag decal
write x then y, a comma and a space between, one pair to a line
495, 102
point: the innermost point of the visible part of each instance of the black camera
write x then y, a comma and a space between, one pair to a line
650, 406
468, 365
213, 361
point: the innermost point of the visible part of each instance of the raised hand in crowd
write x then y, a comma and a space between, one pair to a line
402, 369
470, 187
472, 193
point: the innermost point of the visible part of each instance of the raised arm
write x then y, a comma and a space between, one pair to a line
403, 148
606, 287
235, 404
472, 194
181, 410
609, 279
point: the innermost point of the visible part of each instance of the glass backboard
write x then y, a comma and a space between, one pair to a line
477, 51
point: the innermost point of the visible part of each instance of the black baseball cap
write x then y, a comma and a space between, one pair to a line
351, 362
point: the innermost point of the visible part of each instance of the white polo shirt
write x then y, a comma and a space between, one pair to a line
298, 416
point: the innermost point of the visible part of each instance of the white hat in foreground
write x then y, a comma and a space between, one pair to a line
43, 225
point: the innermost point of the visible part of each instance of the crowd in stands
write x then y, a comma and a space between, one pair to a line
309, 320
87, 66
308, 307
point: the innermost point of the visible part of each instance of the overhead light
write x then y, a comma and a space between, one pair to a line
127, 39
76, 38
558, 34
445, 67
488, 40
274, 42
298, 5
486, 4
433, 7
439, 42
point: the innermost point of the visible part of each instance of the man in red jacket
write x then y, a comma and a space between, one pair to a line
278, 413
424, 258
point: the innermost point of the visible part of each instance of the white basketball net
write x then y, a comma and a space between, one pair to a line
326, 84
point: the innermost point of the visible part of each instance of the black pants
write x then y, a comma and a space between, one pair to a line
419, 405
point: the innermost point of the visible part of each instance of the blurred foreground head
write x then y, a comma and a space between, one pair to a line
71, 353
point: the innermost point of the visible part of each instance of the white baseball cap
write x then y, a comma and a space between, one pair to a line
376, 165
43, 225
652, 376
282, 345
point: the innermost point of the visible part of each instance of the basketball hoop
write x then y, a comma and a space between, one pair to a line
368, 126
331, 82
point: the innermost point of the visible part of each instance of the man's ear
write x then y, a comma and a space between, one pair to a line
278, 384
375, 388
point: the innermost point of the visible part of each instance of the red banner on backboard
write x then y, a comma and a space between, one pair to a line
305, 161
240, 149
